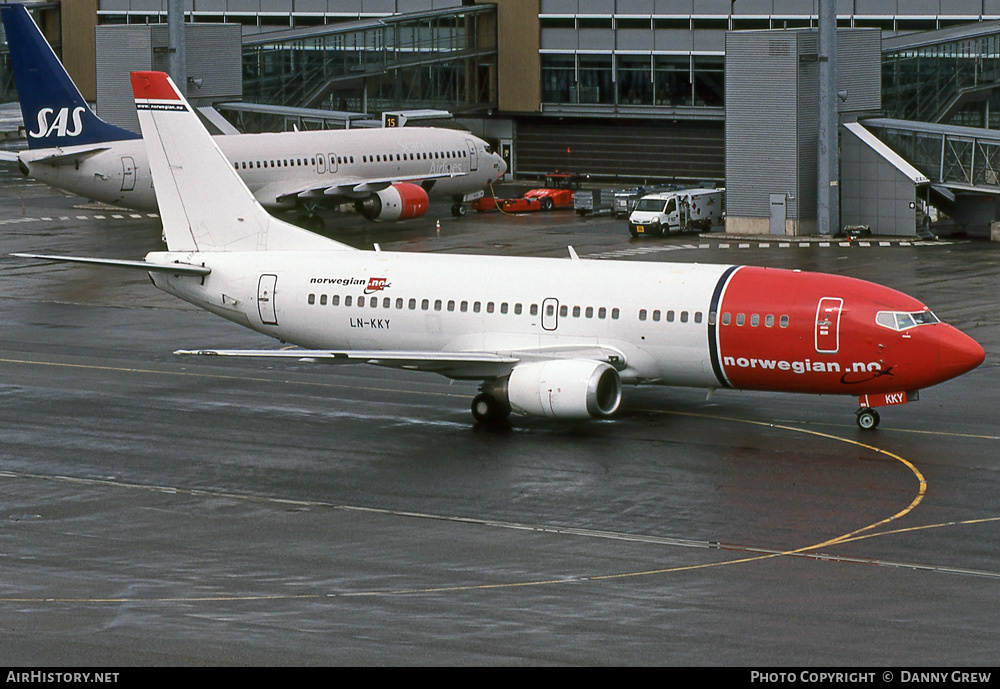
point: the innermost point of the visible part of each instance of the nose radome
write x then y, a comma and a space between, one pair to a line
959, 353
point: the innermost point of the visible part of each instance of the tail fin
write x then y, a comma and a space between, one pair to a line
54, 111
204, 205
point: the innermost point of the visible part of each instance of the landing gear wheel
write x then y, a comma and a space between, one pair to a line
868, 419
487, 409
458, 210
311, 222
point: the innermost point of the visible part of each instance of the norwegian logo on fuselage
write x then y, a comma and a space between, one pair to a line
61, 124
376, 285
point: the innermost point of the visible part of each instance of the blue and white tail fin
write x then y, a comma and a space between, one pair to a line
204, 204
54, 111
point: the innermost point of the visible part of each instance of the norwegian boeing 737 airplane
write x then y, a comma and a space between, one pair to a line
385, 173
547, 337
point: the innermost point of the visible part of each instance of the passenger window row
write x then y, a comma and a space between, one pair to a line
290, 162
349, 160
755, 320
670, 316
425, 155
463, 306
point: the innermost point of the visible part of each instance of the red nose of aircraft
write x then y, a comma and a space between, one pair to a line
957, 353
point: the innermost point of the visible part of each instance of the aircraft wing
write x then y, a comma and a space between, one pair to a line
356, 188
9, 156
459, 365
69, 158
477, 365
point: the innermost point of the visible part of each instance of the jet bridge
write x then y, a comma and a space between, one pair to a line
962, 165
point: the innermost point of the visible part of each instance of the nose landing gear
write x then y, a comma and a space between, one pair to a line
868, 419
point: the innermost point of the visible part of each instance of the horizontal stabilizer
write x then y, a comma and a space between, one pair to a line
69, 158
172, 268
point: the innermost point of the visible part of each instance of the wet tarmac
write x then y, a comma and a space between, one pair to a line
168, 511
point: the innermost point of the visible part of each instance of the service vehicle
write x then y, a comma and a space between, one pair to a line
626, 199
515, 205
559, 190
677, 211
589, 201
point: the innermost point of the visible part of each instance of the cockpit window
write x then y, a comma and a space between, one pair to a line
897, 320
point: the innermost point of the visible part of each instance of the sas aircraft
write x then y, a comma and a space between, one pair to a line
386, 173
544, 336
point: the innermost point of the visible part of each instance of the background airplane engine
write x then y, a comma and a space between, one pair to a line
567, 389
400, 201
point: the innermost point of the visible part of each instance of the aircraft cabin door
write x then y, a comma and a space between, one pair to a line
334, 166
128, 173
550, 313
828, 325
265, 299
473, 155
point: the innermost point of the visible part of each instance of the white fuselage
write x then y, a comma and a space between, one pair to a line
276, 166
452, 303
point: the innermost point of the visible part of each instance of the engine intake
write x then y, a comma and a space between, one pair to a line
566, 389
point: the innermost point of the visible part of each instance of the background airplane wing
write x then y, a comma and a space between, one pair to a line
353, 188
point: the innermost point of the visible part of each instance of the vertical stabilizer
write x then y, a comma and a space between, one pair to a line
204, 204
54, 111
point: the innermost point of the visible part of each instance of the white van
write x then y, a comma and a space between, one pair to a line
677, 211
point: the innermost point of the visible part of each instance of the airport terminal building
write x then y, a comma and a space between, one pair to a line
623, 90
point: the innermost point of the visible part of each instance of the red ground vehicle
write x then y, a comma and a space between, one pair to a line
558, 192
518, 205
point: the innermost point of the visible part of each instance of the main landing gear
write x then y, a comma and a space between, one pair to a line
488, 409
458, 210
868, 419
311, 221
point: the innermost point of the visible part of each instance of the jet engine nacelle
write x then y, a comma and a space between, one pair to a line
566, 389
400, 201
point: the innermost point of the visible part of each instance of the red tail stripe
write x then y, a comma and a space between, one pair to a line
153, 86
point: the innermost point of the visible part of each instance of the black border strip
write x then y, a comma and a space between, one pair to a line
713, 325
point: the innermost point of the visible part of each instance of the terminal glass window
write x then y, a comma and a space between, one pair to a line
672, 80
709, 80
558, 77
635, 80
595, 85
